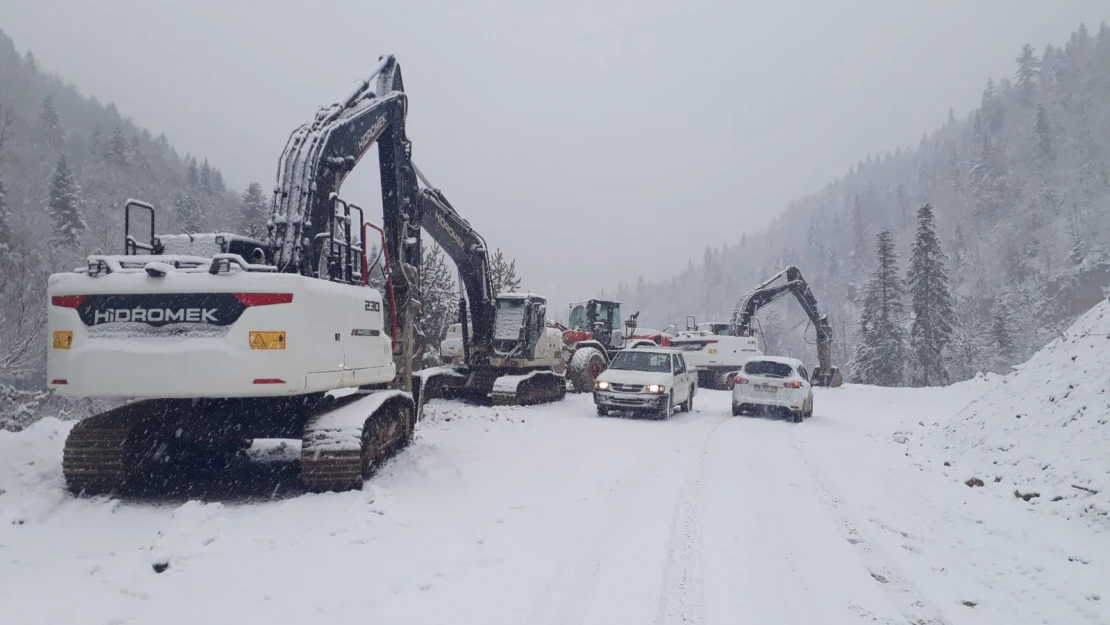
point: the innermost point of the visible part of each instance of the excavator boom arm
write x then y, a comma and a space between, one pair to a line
795, 284
468, 249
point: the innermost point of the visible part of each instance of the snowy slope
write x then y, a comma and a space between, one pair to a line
552, 515
1044, 429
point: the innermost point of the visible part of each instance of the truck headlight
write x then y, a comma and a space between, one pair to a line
601, 385
656, 388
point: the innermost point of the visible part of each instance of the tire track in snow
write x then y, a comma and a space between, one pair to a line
902, 594
563, 599
989, 563
682, 596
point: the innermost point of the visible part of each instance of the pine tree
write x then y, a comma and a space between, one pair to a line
5, 225
859, 232
903, 203
503, 274
50, 123
64, 205
1028, 69
934, 313
438, 295
188, 210
118, 151
1002, 331
192, 179
1044, 135
881, 350
252, 210
206, 177
1076, 254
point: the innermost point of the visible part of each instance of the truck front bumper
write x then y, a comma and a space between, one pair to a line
630, 401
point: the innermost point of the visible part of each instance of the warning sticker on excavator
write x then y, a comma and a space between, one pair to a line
267, 340
63, 339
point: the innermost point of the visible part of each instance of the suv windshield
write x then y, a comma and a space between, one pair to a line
768, 368
642, 361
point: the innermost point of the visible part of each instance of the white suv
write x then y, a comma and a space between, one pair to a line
654, 379
773, 384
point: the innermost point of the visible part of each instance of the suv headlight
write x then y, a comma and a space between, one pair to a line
656, 388
601, 385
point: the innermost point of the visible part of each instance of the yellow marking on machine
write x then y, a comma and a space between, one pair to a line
267, 339
63, 339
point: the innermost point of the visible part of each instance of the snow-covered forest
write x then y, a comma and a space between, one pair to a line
68, 162
1020, 190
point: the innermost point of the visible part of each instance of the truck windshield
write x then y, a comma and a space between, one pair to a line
642, 361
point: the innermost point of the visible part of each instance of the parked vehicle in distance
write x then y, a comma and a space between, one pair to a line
646, 379
451, 348
717, 355
773, 384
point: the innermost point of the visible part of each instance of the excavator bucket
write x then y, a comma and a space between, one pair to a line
830, 378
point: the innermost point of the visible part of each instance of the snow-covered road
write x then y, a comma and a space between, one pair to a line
552, 515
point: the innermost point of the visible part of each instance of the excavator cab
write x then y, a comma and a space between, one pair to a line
520, 321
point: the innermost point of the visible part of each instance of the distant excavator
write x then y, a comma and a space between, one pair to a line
824, 374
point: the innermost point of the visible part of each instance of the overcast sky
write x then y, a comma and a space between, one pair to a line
592, 140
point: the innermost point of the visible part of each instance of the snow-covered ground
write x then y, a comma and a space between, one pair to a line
552, 515
1043, 432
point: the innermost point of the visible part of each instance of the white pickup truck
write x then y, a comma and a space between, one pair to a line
646, 379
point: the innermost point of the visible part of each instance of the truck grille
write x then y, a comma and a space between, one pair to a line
626, 388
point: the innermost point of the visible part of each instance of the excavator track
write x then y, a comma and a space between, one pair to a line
343, 447
102, 452
536, 387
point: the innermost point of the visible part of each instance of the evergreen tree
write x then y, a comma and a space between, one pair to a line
1027, 72
881, 348
438, 295
5, 225
1044, 135
934, 313
1002, 331
206, 177
1076, 254
903, 203
859, 232
503, 274
252, 211
188, 210
50, 123
64, 205
192, 179
118, 150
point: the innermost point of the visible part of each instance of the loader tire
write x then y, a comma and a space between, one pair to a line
585, 365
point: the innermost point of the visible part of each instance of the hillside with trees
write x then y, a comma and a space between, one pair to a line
68, 163
1018, 228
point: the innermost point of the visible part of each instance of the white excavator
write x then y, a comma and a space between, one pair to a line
216, 339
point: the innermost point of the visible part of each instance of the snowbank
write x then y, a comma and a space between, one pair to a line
1042, 433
